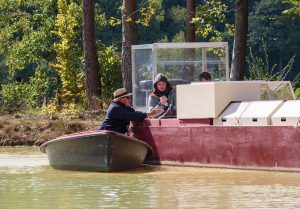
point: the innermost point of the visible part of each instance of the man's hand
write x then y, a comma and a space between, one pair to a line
155, 111
163, 100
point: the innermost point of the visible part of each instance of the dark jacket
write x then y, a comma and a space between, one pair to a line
118, 117
154, 97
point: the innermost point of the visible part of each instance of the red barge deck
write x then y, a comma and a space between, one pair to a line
198, 143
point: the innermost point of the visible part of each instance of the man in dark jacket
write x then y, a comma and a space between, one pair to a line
163, 95
119, 113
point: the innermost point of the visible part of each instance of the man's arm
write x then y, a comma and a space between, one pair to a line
153, 102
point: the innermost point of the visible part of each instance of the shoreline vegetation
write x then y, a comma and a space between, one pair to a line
34, 129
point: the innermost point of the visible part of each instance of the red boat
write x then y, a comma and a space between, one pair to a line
243, 124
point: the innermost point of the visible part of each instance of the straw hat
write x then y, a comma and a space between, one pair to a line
119, 93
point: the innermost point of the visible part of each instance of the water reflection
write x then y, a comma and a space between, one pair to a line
27, 181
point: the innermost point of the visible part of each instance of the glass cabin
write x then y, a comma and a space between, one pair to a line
181, 63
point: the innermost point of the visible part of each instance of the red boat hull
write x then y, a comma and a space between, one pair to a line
198, 143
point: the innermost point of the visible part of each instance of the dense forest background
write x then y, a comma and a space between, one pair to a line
41, 45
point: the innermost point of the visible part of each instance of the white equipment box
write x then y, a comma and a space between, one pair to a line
231, 116
209, 99
288, 114
259, 113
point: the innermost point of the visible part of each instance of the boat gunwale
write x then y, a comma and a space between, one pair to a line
93, 133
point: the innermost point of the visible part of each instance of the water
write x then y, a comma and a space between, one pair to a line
27, 181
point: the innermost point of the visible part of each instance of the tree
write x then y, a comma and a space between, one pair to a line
129, 38
272, 25
68, 51
238, 64
211, 20
25, 38
129, 23
190, 25
93, 83
190, 36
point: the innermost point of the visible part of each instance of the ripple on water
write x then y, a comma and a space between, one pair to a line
21, 160
26, 174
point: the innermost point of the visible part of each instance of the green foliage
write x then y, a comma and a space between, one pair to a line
100, 18
17, 96
3, 71
296, 81
45, 84
152, 9
293, 10
280, 32
179, 37
69, 51
260, 69
147, 10
24, 35
178, 14
49, 110
259, 66
168, 28
71, 112
297, 93
110, 70
210, 20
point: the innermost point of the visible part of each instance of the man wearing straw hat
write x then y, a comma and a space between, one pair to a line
119, 113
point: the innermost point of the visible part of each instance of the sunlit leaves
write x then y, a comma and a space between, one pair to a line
69, 50
17, 96
210, 16
293, 11
25, 36
114, 21
147, 10
110, 70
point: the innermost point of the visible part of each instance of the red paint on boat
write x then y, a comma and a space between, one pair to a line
197, 143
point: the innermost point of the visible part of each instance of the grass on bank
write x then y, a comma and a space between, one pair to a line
36, 128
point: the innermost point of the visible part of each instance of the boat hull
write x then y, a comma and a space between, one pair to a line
198, 143
96, 151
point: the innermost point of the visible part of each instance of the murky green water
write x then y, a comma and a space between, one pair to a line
27, 181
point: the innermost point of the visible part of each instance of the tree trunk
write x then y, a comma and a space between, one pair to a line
190, 27
93, 83
190, 36
240, 41
129, 37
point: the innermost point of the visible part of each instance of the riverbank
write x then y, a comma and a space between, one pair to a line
35, 129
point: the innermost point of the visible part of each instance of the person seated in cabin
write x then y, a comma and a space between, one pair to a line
204, 77
120, 113
163, 96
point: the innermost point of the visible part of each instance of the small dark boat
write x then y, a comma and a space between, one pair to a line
96, 151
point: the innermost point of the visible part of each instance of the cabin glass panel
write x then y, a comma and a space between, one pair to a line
277, 90
187, 64
141, 75
182, 63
